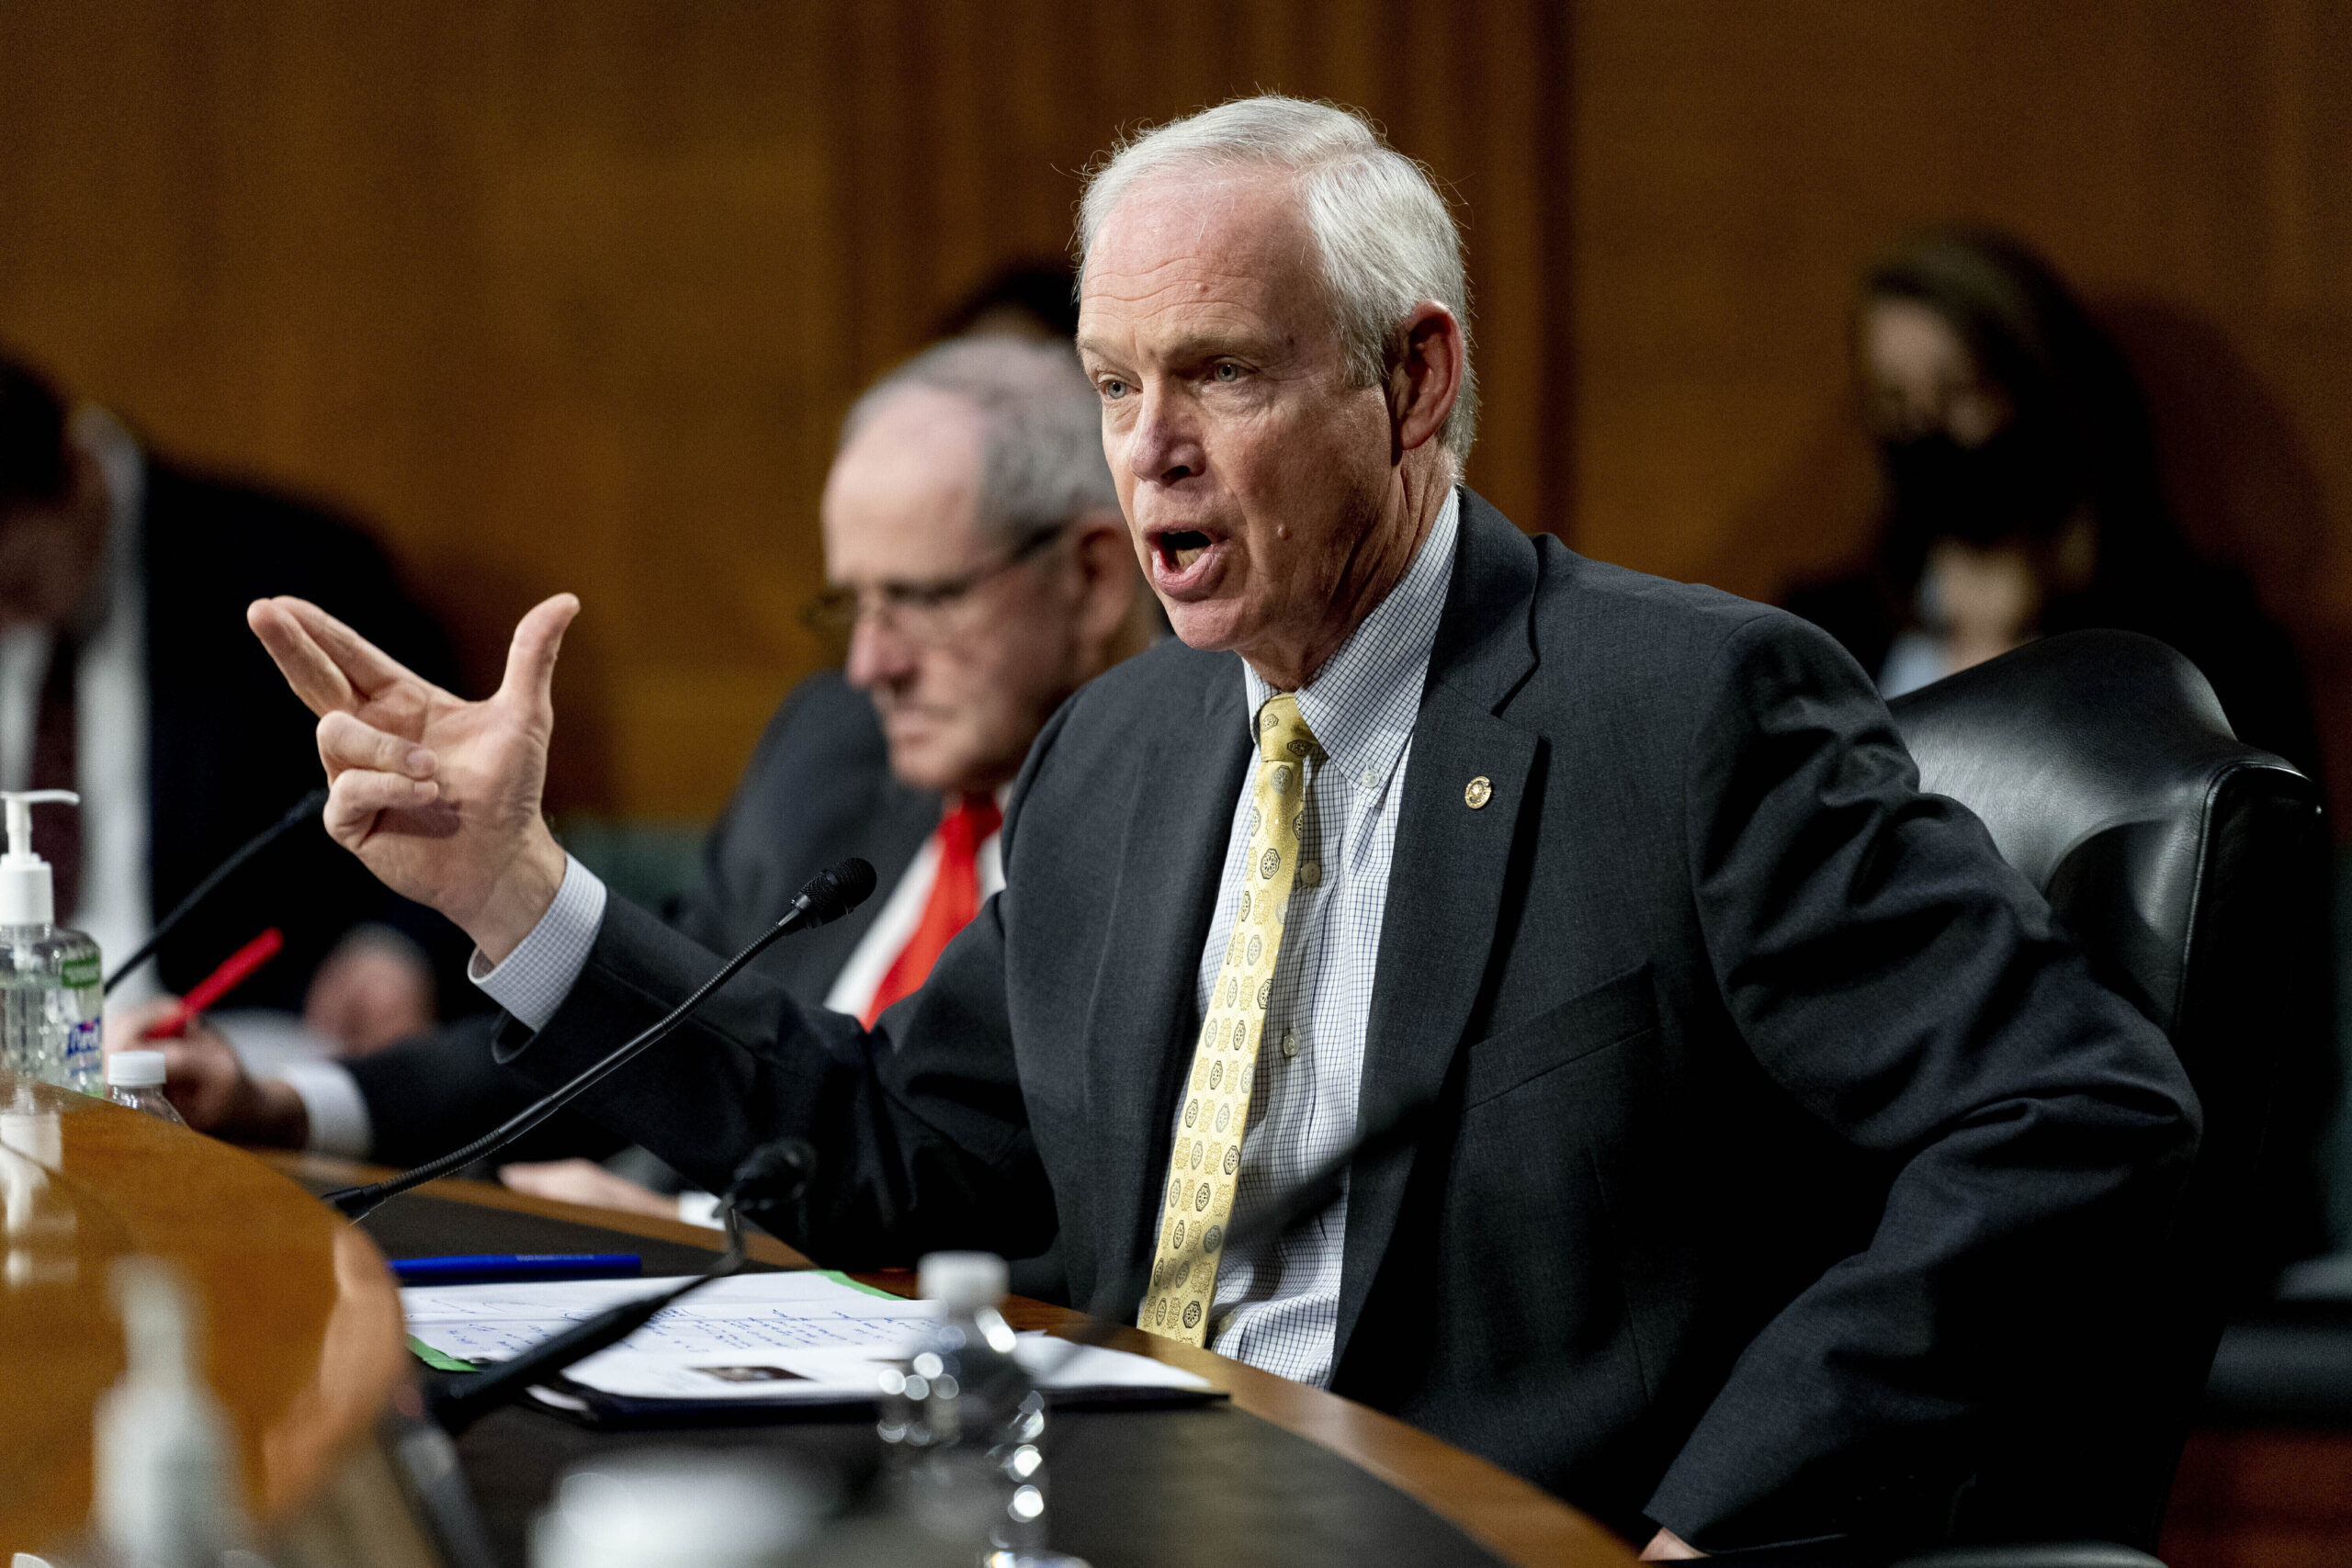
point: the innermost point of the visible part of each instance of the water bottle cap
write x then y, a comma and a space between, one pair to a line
966, 1282
135, 1069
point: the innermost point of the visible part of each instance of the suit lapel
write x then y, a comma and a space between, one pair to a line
1144, 1008
1445, 884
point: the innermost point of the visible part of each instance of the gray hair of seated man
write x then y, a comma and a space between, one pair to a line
1042, 428
1387, 241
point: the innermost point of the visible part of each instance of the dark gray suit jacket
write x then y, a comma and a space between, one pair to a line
1785, 1163
818, 786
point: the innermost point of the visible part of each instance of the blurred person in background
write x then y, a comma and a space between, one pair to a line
1036, 301
2022, 498
2022, 493
126, 674
980, 570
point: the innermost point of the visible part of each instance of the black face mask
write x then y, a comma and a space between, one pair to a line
2014, 484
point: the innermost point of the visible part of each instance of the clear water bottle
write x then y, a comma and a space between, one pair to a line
166, 1471
962, 1423
135, 1078
50, 994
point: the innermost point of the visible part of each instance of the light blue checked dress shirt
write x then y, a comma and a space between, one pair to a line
1277, 1304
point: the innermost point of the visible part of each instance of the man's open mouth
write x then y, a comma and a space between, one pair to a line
1182, 547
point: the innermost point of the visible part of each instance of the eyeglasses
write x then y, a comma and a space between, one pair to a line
924, 612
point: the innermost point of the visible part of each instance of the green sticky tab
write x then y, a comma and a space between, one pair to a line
439, 1360
79, 972
838, 1278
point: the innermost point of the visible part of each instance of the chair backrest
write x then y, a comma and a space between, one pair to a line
2192, 868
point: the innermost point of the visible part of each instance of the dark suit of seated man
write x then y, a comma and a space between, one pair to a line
124, 676
1779, 1168
981, 573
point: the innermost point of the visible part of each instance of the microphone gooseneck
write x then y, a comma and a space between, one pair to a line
1307, 1195
463, 1401
774, 1174
305, 809
829, 895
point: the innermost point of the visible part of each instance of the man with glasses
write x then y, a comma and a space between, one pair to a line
979, 570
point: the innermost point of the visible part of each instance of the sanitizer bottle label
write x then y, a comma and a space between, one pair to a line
83, 1068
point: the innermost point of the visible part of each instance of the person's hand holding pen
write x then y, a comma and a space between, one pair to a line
206, 1082
233, 971
203, 1077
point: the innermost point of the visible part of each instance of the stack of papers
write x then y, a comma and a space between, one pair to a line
805, 1337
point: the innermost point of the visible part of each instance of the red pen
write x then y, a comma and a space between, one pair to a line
220, 982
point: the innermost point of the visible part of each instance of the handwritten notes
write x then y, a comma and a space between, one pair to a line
809, 1337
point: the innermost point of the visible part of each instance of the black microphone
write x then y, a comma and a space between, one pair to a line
772, 1185
829, 895
772, 1174
305, 809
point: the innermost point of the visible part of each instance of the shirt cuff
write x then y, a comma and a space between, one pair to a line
534, 978
700, 1209
336, 1109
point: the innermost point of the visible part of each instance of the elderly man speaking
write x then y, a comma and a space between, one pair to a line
1770, 1159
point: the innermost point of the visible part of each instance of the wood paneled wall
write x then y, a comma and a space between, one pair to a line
573, 296
2188, 166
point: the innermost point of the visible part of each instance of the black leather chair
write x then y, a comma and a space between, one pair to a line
2193, 870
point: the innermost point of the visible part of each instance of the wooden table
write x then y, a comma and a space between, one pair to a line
304, 1346
303, 1337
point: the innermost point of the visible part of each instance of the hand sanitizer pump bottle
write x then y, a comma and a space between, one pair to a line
165, 1492
50, 994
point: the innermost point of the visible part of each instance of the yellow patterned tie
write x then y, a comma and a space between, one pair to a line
1202, 1170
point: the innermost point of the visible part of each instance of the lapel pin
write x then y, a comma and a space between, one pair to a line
1477, 792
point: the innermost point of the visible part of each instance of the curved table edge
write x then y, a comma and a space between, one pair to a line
1515, 1519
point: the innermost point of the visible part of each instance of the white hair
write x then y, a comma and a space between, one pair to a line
1385, 239
1042, 428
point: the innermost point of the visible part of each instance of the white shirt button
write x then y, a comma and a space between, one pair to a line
1311, 874
1289, 1042
1369, 779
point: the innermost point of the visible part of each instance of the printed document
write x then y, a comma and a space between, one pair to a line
807, 1335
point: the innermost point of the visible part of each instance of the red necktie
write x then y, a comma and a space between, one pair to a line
954, 900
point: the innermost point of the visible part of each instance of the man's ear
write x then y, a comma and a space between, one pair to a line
1424, 376
1103, 556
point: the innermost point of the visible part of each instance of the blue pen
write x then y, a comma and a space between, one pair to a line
504, 1269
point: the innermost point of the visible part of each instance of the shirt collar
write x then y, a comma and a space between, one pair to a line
1361, 704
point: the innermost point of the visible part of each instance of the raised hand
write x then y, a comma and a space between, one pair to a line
438, 797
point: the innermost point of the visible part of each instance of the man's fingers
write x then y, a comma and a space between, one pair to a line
530, 658
345, 741
368, 667
359, 793
316, 679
